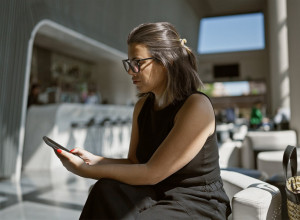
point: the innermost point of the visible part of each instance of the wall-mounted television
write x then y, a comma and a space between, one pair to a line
227, 70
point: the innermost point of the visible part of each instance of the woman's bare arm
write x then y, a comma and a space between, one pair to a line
94, 161
131, 158
193, 125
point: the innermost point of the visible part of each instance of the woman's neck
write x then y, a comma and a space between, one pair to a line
160, 101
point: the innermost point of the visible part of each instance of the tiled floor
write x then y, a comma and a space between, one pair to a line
44, 195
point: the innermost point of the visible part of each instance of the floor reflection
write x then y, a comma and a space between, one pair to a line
55, 194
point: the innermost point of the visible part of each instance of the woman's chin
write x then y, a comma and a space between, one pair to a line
141, 90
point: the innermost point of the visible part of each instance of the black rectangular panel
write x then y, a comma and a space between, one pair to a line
229, 70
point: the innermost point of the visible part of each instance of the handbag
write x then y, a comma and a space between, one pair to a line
292, 186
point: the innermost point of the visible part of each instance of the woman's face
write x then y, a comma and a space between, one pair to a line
152, 76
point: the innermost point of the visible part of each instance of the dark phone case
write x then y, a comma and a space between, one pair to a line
53, 144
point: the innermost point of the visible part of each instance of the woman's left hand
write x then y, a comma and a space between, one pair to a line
72, 162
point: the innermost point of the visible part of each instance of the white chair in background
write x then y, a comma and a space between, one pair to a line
262, 141
229, 154
271, 162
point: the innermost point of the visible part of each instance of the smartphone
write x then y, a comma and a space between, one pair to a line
53, 144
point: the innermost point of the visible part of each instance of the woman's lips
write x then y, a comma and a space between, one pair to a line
134, 81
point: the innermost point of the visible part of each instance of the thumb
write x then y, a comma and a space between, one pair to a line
74, 150
77, 151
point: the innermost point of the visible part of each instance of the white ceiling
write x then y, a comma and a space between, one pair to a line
55, 38
60, 39
206, 8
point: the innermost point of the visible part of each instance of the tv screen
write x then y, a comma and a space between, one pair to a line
230, 70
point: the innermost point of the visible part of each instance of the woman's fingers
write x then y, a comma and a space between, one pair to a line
75, 150
86, 156
57, 153
63, 155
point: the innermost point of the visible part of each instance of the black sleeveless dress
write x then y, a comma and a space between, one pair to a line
194, 192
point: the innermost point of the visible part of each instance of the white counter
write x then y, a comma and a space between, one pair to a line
55, 121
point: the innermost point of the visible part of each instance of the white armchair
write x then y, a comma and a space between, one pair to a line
271, 162
230, 154
251, 199
258, 141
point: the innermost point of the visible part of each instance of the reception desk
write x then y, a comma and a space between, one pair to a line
100, 129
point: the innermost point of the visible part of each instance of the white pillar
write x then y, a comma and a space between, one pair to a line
293, 9
278, 50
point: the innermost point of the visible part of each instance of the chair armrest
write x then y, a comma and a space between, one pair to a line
251, 198
257, 203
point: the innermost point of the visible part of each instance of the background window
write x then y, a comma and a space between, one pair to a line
231, 33
234, 88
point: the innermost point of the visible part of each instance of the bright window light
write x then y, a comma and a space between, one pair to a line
234, 88
231, 33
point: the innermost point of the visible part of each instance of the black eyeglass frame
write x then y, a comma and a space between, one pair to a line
128, 61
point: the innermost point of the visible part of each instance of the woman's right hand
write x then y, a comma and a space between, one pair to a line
87, 157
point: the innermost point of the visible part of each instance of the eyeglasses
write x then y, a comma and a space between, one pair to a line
134, 65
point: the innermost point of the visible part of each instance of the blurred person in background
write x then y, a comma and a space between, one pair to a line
92, 97
256, 117
282, 119
33, 98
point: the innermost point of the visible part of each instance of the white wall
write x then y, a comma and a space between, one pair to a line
114, 83
253, 64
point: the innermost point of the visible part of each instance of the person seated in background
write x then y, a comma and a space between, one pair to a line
92, 97
256, 117
258, 121
172, 169
282, 119
230, 115
33, 98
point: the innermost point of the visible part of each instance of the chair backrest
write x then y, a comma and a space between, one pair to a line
272, 140
257, 141
251, 198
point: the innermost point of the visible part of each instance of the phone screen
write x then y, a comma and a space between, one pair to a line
53, 144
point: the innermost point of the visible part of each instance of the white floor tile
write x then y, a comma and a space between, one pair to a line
2, 199
66, 190
34, 211
60, 195
13, 188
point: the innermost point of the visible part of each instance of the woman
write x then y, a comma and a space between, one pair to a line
172, 169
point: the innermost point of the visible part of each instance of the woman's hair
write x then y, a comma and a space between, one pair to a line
164, 44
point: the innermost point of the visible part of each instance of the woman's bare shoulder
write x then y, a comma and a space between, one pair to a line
199, 106
199, 102
139, 104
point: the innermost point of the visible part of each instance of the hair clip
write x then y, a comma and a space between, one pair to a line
183, 41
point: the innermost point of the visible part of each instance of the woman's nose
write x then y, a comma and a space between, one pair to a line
130, 72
